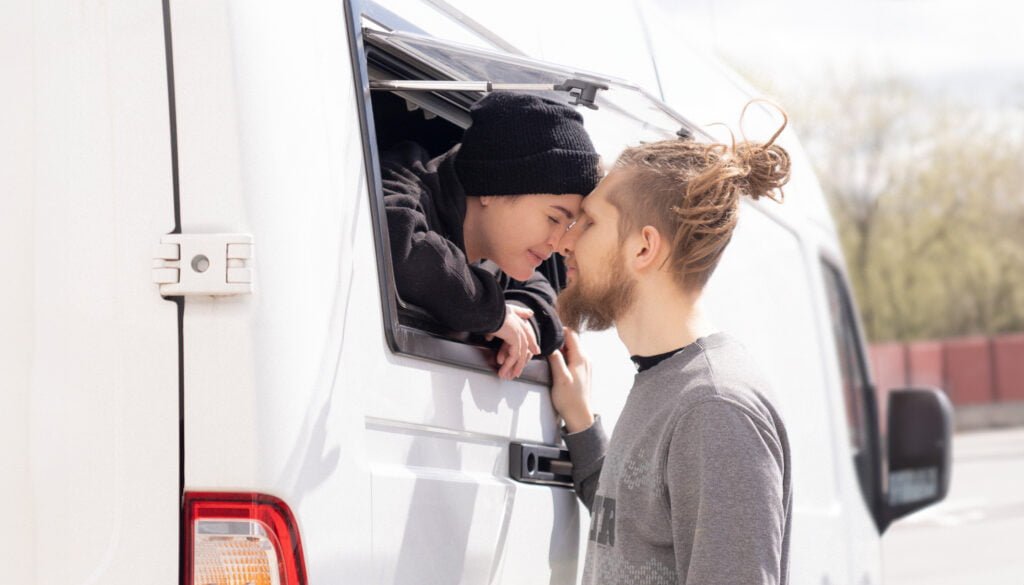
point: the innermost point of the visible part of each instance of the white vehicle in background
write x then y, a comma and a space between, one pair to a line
207, 374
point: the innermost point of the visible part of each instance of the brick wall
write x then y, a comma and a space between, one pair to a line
971, 370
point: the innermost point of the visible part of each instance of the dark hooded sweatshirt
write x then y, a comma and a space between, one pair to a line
426, 207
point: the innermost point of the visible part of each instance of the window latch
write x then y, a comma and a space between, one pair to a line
583, 92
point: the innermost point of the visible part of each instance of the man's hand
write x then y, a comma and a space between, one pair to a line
570, 384
520, 342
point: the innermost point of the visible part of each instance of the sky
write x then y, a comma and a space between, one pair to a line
972, 49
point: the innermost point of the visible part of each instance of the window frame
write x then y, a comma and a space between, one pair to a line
867, 462
403, 339
453, 106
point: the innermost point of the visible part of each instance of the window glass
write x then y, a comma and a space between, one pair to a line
849, 357
625, 109
856, 387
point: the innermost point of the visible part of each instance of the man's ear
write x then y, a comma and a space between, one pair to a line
651, 245
485, 200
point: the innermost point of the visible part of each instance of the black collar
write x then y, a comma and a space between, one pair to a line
646, 362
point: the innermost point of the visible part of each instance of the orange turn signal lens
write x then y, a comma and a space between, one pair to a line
241, 539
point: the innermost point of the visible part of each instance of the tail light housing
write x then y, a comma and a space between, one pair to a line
240, 539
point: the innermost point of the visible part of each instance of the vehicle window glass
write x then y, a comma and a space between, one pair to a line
625, 106
848, 353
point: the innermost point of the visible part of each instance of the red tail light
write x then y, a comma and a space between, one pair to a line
240, 539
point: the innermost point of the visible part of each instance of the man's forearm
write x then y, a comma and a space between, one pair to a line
586, 450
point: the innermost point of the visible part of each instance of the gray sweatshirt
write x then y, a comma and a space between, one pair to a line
694, 486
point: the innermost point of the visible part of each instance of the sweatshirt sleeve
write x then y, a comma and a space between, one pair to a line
586, 451
433, 273
538, 295
724, 476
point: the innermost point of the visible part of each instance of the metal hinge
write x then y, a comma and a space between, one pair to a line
203, 264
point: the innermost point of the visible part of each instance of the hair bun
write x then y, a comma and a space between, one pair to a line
764, 169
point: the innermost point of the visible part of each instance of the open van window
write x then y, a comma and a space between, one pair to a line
617, 114
858, 394
420, 93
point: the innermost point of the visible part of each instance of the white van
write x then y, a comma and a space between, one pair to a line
207, 375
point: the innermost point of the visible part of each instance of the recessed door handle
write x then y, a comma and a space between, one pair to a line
539, 464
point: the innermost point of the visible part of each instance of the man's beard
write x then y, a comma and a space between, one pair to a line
583, 305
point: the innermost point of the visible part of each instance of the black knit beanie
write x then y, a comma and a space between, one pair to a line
520, 144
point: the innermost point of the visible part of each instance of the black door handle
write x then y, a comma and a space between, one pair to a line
540, 464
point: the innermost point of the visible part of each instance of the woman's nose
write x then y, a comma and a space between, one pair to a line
554, 237
567, 242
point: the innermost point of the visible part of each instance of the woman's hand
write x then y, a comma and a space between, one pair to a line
570, 384
520, 342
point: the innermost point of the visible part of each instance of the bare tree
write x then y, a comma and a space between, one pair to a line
928, 196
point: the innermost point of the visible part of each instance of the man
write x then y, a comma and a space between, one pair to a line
694, 485
507, 194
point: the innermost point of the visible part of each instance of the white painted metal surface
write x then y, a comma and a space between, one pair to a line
269, 146
88, 348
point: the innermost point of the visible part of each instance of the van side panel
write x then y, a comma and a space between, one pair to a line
16, 304
784, 321
88, 348
396, 468
762, 293
269, 145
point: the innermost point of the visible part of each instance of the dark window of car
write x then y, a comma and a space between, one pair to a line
858, 394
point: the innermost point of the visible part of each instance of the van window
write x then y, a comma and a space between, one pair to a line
857, 399
622, 114
649, 117
435, 118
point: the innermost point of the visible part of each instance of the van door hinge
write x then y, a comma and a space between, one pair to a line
203, 264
